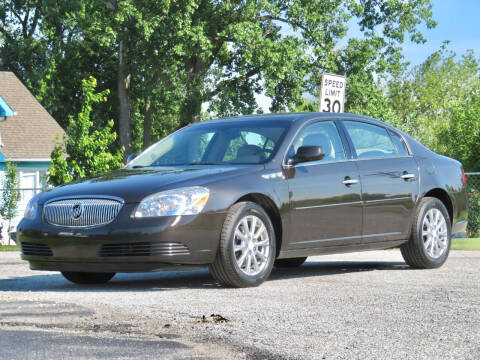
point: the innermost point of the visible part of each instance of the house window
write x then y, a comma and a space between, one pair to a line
28, 184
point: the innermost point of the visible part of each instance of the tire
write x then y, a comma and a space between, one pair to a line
290, 263
420, 251
87, 277
237, 241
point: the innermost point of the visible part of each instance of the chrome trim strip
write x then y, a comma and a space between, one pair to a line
328, 205
351, 203
345, 238
73, 197
389, 199
327, 240
356, 246
385, 158
383, 234
319, 162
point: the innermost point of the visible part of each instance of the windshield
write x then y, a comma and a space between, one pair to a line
215, 143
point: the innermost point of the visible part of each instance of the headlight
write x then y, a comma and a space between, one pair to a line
31, 209
186, 201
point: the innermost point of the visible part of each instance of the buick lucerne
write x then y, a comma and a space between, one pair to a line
242, 195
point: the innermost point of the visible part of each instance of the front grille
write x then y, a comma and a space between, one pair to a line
77, 213
36, 249
143, 249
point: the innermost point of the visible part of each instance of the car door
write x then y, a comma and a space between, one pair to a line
389, 177
325, 196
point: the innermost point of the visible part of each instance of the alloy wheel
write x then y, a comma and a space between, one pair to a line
435, 233
251, 245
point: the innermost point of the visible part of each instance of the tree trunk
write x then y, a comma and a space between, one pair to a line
147, 123
123, 87
191, 108
8, 231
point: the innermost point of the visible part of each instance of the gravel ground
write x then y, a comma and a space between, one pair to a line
353, 306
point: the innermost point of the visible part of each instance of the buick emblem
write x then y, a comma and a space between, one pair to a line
77, 211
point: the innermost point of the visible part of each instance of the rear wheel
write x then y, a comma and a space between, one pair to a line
87, 277
247, 247
429, 243
290, 263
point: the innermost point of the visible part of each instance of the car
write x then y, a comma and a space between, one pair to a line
242, 195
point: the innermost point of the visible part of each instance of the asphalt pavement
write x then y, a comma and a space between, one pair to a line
353, 306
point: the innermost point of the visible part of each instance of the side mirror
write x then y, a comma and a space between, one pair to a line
308, 153
131, 157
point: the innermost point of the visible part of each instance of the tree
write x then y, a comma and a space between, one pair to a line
439, 103
41, 42
226, 52
164, 60
10, 195
85, 152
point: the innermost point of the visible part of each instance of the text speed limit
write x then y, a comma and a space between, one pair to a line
333, 93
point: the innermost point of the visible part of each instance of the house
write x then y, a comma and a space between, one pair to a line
27, 138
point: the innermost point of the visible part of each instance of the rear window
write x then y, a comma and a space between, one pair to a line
370, 141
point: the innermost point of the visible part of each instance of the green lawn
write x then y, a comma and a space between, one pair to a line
466, 244
8, 248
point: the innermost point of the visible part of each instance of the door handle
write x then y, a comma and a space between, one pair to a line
407, 176
349, 181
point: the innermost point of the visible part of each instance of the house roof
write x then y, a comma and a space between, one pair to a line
5, 109
31, 134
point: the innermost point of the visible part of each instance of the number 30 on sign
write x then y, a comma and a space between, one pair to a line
333, 93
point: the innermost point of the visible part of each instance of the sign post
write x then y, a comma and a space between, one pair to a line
332, 96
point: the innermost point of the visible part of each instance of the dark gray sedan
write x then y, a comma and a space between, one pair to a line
245, 194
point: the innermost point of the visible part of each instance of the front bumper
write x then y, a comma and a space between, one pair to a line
124, 245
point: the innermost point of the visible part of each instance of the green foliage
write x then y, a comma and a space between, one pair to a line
10, 193
365, 96
85, 151
173, 56
439, 103
305, 105
43, 45
474, 213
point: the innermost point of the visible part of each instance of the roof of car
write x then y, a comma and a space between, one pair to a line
296, 116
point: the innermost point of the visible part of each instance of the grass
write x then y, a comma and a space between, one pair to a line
466, 244
9, 248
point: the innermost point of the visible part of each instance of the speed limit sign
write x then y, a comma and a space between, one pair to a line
333, 93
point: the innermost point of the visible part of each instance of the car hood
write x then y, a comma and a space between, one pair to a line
132, 185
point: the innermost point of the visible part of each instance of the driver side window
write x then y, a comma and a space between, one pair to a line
323, 134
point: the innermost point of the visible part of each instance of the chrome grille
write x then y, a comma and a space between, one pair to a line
143, 249
81, 212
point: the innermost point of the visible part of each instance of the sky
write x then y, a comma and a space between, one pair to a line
457, 21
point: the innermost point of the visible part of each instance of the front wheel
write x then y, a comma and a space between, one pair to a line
247, 247
87, 277
429, 243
